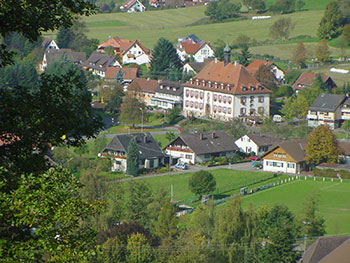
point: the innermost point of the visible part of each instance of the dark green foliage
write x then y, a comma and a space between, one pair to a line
219, 11
292, 76
284, 91
133, 158
283, 6
202, 183
164, 59
166, 225
119, 76
346, 34
64, 37
282, 28
174, 116
258, 5
299, 4
20, 44
331, 24
219, 49
266, 77
244, 56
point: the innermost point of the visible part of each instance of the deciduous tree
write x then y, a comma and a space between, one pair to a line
166, 225
332, 21
346, 34
130, 110
138, 249
282, 28
219, 11
322, 52
322, 146
300, 55
266, 77
313, 225
283, 6
202, 183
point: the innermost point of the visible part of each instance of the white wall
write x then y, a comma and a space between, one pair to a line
139, 57
184, 157
245, 144
281, 167
204, 53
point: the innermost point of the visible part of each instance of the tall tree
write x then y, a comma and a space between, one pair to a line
244, 56
222, 10
322, 146
130, 110
300, 55
164, 57
266, 77
64, 37
21, 74
202, 183
346, 34
133, 158
138, 249
258, 5
322, 52
332, 21
282, 28
283, 6
299, 4
313, 225
166, 225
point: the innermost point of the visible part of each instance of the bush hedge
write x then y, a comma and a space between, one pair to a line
344, 174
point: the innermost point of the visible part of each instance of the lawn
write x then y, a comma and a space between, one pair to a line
334, 201
339, 79
128, 129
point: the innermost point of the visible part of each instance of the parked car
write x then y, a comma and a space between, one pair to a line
182, 166
149, 107
253, 158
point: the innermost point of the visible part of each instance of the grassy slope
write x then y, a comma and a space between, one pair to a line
334, 201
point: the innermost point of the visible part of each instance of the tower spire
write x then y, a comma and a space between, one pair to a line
227, 54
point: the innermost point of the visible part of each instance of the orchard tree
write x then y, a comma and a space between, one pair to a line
331, 24
130, 110
322, 52
300, 55
282, 28
133, 158
202, 183
322, 146
164, 58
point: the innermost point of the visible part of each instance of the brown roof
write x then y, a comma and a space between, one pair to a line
263, 139
345, 147
143, 85
136, 42
116, 43
190, 47
296, 149
329, 249
54, 55
306, 79
128, 73
256, 64
234, 75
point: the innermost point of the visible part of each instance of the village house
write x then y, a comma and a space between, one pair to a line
286, 157
49, 43
168, 95
257, 143
122, 75
143, 89
150, 155
54, 55
188, 49
345, 110
132, 6
307, 78
98, 63
328, 109
253, 67
193, 67
225, 90
119, 45
136, 53
193, 148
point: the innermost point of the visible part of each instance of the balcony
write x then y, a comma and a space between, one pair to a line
178, 149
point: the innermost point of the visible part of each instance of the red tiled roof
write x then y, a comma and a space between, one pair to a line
306, 79
143, 85
128, 73
255, 65
234, 75
128, 3
116, 42
190, 47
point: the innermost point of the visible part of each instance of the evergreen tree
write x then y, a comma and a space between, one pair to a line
322, 146
133, 158
244, 56
164, 58
65, 37
119, 76
332, 21
166, 225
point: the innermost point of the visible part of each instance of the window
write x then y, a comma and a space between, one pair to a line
196, 94
118, 162
207, 156
252, 88
243, 100
243, 111
251, 98
186, 103
209, 84
228, 87
224, 109
203, 83
191, 104
261, 99
215, 85
261, 110
197, 81
215, 108
244, 88
259, 88
201, 105
201, 95
188, 156
219, 109
151, 163
192, 92
229, 110
196, 105
222, 85
291, 165
220, 97
224, 99
229, 100
214, 97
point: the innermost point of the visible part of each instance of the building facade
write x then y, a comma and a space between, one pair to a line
137, 54
168, 95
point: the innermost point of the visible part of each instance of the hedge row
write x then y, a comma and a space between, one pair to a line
344, 174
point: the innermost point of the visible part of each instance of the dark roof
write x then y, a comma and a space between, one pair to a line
262, 139
222, 142
194, 38
307, 78
99, 61
170, 87
148, 147
55, 55
328, 249
327, 102
46, 42
143, 85
347, 102
197, 66
296, 149
345, 147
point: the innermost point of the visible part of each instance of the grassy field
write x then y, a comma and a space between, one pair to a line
339, 79
334, 201
173, 23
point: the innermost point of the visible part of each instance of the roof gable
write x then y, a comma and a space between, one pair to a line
256, 64
143, 85
295, 149
327, 102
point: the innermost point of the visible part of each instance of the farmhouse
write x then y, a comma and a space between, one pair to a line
198, 147
143, 89
136, 53
64, 54
328, 109
168, 95
224, 90
286, 157
132, 6
277, 71
307, 78
98, 63
151, 155
198, 51
257, 143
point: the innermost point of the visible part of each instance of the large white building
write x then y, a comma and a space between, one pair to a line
223, 90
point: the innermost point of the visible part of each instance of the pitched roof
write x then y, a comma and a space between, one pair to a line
190, 47
46, 42
328, 250
347, 102
256, 64
221, 142
306, 79
263, 139
128, 73
55, 55
136, 42
327, 102
129, 3
143, 85
197, 66
148, 147
99, 61
116, 43
345, 147
232, 74
296, 149
170, 87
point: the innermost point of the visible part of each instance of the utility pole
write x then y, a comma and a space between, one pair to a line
141, 119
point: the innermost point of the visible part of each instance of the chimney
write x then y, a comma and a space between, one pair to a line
213, 135
201, 136
227, 55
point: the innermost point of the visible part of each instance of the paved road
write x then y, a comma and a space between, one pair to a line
166, 129
237, 166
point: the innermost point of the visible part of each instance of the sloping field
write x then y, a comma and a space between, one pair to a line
334, 202
150, 26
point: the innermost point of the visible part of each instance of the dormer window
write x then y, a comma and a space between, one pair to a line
191, 80
252, 88
244, 88
197, 81
209, 84
168, 88
222, 85
216, 85
161, 86
260, 88
203, 83
228, 87
174, 89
